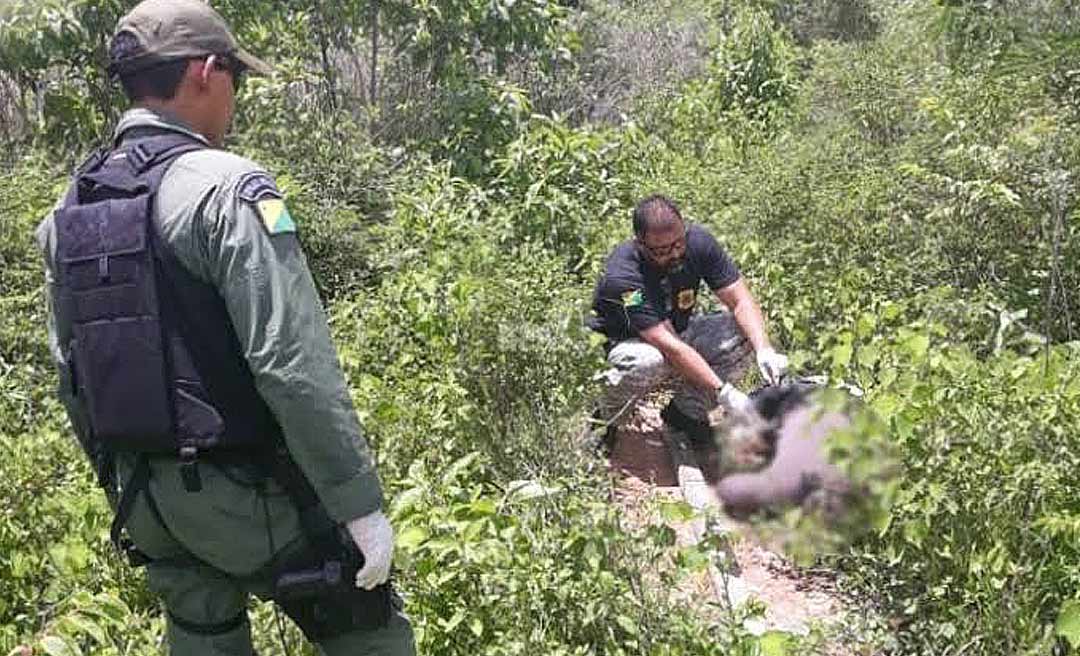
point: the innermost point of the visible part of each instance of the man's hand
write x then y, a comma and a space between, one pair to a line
773, 365
374, 537
734, 400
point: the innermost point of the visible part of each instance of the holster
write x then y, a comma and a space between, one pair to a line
317, 590
316, 587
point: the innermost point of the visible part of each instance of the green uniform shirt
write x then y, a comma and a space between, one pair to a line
256, 264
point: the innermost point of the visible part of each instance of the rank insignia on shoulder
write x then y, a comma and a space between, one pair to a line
259, 189
633, 298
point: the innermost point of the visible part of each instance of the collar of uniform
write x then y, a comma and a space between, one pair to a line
141, 118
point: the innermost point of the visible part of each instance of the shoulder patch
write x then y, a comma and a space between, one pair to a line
258, 188
275, 216
633, 298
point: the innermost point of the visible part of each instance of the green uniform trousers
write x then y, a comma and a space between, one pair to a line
209, 551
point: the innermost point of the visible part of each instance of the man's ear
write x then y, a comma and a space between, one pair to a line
202, 68
193, 79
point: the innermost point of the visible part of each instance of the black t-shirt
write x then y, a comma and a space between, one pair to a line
632, 295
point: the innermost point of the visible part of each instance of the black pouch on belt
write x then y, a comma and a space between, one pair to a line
318, 591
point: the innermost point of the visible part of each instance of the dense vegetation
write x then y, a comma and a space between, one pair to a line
898, 181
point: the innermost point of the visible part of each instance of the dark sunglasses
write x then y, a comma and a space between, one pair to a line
234, 66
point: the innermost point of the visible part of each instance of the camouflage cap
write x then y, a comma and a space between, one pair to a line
157, 31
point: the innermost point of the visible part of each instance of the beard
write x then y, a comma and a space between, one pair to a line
672, 266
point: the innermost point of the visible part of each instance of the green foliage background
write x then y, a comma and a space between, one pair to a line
897, 180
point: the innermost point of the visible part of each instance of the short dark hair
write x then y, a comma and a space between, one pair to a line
159, 81
655, 210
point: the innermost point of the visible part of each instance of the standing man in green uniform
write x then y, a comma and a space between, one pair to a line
213, 532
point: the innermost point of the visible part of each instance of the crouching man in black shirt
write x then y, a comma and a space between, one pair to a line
644, 303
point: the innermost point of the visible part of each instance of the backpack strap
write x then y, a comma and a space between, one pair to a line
148, 160
137, 483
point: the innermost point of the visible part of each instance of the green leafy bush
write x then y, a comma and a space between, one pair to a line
906, 216
749, 84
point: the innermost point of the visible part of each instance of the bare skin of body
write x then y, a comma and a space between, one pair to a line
798, 472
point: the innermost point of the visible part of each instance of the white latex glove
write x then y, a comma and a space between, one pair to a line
773, 365
734, 400
374, 537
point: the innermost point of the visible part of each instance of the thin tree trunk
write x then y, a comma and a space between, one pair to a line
324, 51
8, 109
1056, 283
373, 80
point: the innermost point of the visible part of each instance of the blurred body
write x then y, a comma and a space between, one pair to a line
778, 459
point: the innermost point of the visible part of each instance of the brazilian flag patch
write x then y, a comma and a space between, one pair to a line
275, 216
633, 298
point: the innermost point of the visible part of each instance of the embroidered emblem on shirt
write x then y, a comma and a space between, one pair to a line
259, 189
686, 299
275, 216
633, 298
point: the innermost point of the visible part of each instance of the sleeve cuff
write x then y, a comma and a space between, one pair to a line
641, 323
724, 283
355, 497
